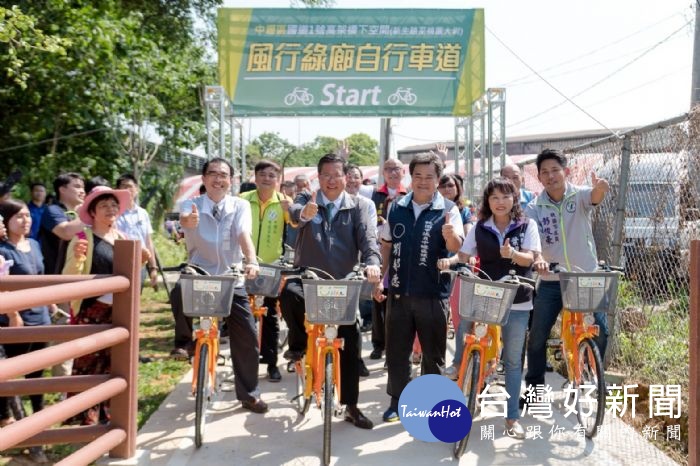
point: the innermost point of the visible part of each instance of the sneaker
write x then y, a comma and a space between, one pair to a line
390, 415
273, 374
179, 354
291, 366
376, 354
515, 430
451, 373
366, 328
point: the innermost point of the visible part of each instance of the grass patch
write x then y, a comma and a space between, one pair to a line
654, 349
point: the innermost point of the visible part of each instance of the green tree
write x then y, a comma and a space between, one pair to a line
269, 146
363, 149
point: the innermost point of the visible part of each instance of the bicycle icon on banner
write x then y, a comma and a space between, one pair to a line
299, 94
402, 94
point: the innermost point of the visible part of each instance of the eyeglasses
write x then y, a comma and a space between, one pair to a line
393, 169
218, 175
329, 176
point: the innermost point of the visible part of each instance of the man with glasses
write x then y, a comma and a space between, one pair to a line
391, 189
270, 210
335, 233
217, 228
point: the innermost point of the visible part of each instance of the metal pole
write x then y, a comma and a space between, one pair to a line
619, 221
695, 80
207, 106
222, 127
244, 162
456, 150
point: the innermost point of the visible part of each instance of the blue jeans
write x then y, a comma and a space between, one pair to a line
548, 304
513, 335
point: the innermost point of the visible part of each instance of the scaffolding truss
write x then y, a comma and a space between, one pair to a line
221, 129
476, 136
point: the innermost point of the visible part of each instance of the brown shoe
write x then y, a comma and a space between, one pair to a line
255, 405
354, 415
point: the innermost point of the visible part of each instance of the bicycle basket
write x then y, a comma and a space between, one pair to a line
332, 301
366, 291
267, 283
589, 291
207, 296
485, 301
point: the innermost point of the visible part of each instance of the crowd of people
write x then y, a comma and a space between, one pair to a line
403, 234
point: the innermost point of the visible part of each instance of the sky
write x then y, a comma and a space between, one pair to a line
623, 63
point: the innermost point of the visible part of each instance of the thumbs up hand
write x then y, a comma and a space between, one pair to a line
310, 209
507, 250
599, 183
190, 219
448, 230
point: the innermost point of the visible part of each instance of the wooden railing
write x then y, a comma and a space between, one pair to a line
118, 437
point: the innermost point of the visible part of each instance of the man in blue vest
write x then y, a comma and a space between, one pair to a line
421, 228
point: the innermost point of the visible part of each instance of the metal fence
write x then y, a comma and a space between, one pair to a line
651, 213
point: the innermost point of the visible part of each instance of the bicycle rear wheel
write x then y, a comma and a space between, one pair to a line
201, 394
301, 402
470, 389
590, 365
328, 407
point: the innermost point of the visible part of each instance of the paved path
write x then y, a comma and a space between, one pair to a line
236, 436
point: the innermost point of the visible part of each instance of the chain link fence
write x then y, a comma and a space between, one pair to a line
646, 224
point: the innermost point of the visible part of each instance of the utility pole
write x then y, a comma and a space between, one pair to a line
384, 147
695, 84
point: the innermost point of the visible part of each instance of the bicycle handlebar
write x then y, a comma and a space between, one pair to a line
193, 269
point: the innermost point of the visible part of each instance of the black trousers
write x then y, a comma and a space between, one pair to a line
243, 340
17, 349
292, 303
270, 333
406, 316
378, 325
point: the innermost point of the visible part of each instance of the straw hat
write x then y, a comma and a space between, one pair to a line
122, 195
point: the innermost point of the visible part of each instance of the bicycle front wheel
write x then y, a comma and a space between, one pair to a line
328, 406
470, 389
591, 409
201, 394
301, 402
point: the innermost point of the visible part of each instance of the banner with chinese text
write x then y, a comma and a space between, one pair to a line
346, 62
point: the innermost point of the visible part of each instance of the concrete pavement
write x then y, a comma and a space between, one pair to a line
279, 437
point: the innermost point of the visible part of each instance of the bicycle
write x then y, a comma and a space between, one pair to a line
209, 298
487, 303
328, 304
584, 293
299, 94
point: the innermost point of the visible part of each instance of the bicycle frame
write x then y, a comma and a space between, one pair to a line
259, 311
317, 347
573, 331
210, 337
489, 348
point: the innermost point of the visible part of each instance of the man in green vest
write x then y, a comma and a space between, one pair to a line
269, 209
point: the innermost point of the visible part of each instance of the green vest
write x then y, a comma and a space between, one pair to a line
268, 233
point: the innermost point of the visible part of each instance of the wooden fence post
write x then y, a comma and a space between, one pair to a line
125, 313
694, 337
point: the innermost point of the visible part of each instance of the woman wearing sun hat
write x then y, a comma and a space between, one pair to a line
92, 252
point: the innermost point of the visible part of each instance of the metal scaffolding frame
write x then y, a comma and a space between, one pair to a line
221, 129
477, 135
